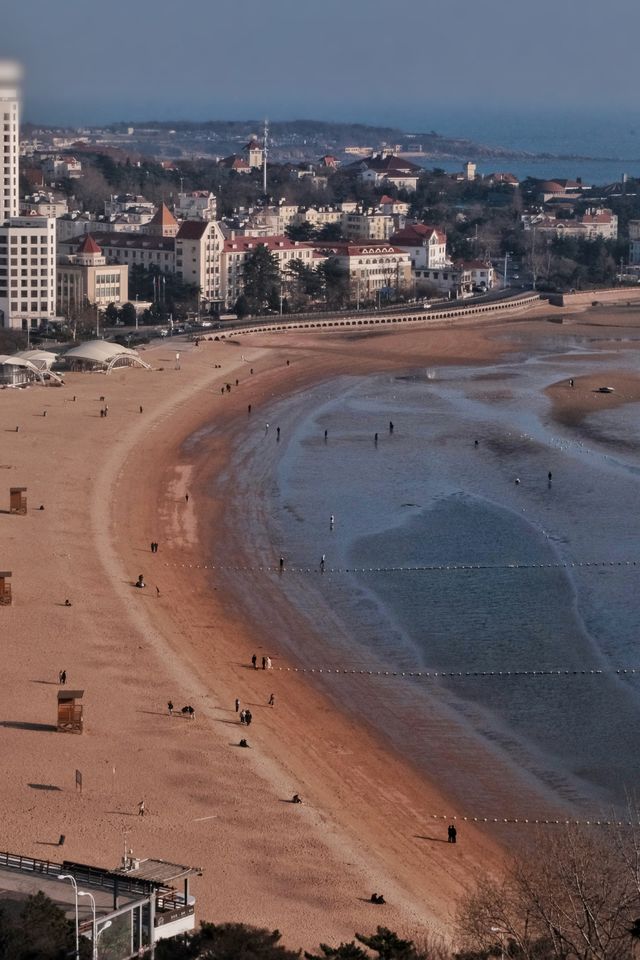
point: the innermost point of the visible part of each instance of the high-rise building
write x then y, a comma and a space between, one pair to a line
10, 75
27, 244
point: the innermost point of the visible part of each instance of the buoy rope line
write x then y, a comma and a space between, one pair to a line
458, 674
530, 821
424, 568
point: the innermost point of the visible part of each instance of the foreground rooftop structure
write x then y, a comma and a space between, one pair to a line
135, 905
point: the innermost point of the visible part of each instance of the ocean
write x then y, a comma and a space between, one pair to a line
611, 139
553, 588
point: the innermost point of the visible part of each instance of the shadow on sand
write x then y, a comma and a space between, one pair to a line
23, 725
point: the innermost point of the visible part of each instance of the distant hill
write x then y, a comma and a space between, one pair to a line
313, 136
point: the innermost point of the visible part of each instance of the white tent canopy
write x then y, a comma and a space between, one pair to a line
16, 360
103, 354
43, 359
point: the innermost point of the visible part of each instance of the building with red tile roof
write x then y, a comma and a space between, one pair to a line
426, 245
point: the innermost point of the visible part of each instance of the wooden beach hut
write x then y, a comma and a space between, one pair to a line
5, 588
17, 500
70, 711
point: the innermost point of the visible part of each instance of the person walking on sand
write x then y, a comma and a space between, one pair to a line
62, 677
141, 809
186, 498
248, 717
452, 834
237, 705
170, 707
243, 716
268, 662
254, 662
322, 563
264, 663
272, 700
281, 564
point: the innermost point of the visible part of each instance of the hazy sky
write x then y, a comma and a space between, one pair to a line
372, 60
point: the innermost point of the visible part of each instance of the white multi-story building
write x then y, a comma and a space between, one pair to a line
27, 271
198, 257
427, 246
60, 168
196, 205
373, 268
10, 75
27, 244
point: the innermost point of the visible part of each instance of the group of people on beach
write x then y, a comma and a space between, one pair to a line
246, 717
187, 711
266, 662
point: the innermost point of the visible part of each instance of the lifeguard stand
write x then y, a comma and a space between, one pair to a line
5, 588
17, 499
70, 711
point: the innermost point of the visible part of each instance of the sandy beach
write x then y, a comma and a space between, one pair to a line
109, 486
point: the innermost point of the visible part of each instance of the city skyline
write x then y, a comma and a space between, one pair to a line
341, 61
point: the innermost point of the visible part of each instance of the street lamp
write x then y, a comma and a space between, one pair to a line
94, 941
67, 876
105, 926
502, 933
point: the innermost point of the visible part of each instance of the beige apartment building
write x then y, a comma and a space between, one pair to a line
131, 249
372, 267
87, 278
198, 258
237, 249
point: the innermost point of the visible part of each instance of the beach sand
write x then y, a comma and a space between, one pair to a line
109, 486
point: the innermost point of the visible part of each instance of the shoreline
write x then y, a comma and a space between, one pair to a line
210, 804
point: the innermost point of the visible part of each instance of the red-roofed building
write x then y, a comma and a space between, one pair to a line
374, 269
483, 276
254, 154
506, 178
237, 249
329, 162
235, 163
597, 222
162, 224
387, 168
427, 246
84, 277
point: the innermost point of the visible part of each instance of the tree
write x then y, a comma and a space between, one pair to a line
227, 941
261, 278
37, 930
575, 899
128, 314
241, 307
330, 231
111, 314
336, 283
300, 231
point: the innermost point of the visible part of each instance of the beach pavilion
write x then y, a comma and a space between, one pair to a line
17, 370
103, 356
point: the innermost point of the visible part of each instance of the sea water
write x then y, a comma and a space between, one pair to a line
553, 585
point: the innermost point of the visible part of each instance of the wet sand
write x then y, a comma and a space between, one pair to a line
111, 486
